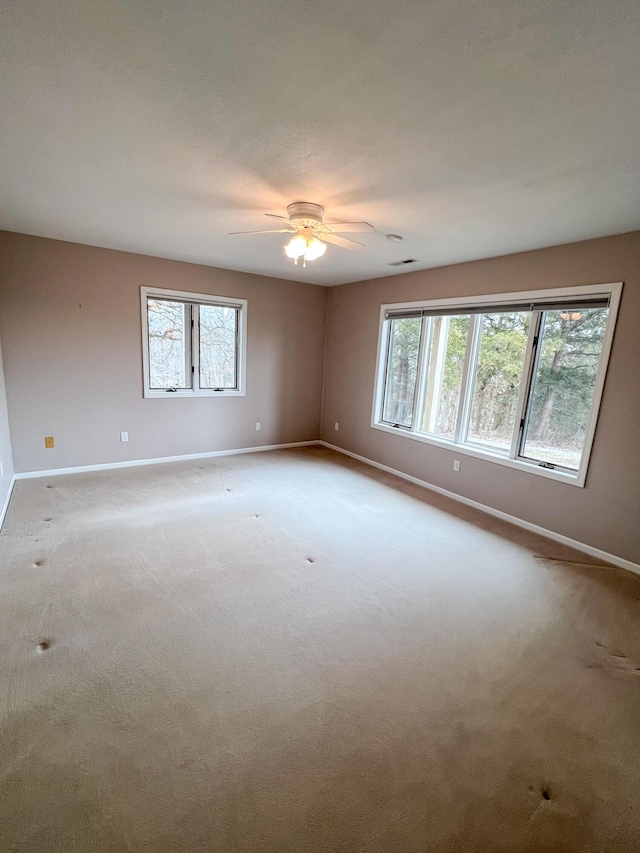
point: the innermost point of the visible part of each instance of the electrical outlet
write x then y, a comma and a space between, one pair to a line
456, 465
336, 426
48, 442
258, 426
124, 436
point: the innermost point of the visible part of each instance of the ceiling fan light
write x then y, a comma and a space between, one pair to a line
315, 249
296, 247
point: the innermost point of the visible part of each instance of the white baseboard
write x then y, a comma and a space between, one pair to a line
134, 463
5, 506
512, 519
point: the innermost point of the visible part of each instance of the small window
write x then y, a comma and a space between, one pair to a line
218, 346
193, 344
400, 387
563, 385
447, 347
169, 344
515, 379
497, 376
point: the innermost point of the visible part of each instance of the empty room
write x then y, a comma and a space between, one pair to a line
319, 427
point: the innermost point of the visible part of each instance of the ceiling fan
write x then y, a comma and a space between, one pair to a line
305, 222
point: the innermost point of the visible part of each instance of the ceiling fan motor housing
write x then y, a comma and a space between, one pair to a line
306, 213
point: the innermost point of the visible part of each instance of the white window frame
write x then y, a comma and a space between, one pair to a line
611, 290
198, 299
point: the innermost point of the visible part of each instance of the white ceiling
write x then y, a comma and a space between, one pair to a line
471, 128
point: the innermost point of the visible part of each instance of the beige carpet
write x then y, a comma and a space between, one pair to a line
293, 652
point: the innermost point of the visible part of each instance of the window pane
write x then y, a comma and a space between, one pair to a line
562, 390
218, 332
402, 368
447, 348
169, 344
497, 378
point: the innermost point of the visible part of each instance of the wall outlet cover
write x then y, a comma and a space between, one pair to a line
258, 425
456, 465
48, 442
336, 426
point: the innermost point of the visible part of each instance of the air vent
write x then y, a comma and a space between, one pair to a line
402, 263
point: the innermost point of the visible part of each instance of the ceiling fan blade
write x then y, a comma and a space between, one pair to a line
283, 218
349, 226
343, 242
270, 231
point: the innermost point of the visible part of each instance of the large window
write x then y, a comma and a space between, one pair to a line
514, 378
193, 345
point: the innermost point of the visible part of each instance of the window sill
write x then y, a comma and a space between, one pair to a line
168, 395
576, 479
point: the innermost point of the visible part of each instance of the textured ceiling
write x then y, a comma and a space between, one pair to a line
470, 128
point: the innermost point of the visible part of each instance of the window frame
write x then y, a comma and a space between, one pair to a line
612, 291
194, 299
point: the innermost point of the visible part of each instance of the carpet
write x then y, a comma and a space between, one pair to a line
291, 651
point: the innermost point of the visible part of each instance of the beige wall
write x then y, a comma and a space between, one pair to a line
70, 328
6, 455
606, 513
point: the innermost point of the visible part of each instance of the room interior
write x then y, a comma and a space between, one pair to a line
319, 418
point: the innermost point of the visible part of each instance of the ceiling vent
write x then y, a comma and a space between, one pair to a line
402, 263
